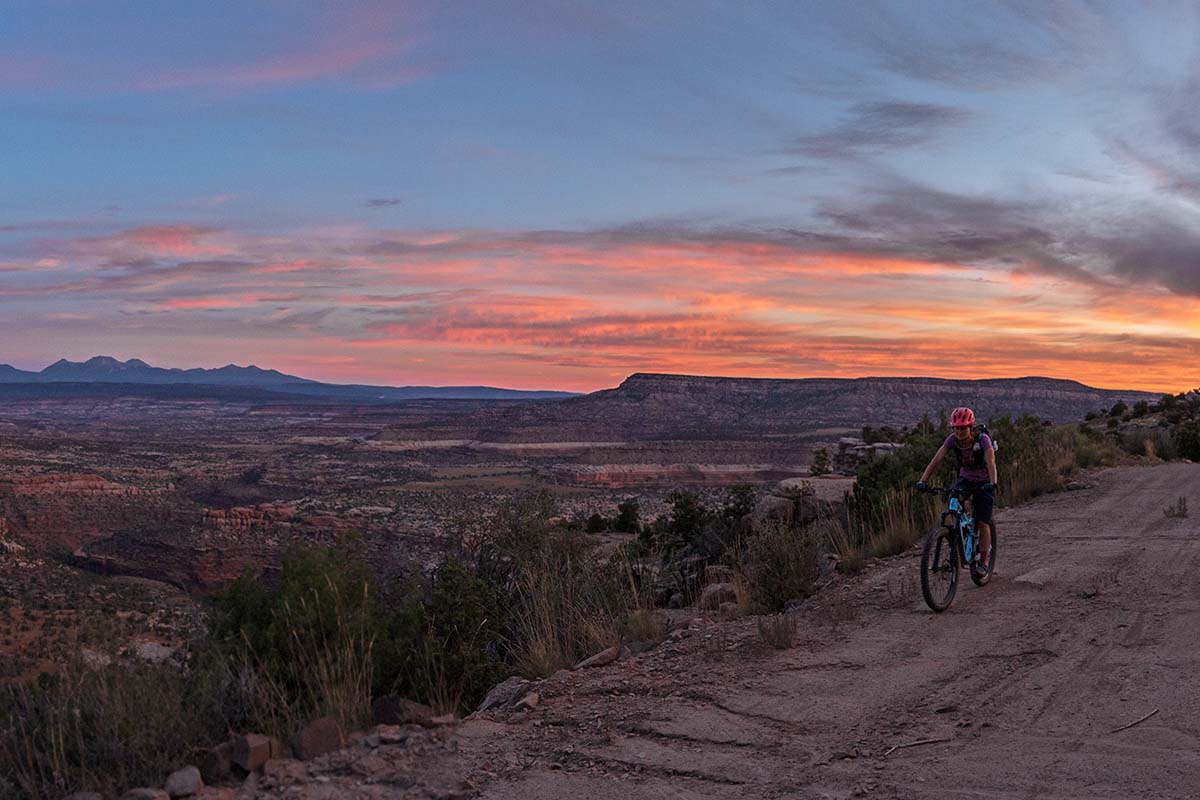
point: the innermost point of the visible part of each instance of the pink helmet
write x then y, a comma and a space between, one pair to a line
962, 416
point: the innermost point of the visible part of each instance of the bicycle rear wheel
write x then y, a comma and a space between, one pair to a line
939, 568
982, 576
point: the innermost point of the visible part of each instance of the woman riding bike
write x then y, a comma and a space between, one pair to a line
976, 472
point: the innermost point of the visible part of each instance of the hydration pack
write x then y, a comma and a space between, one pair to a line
976, 448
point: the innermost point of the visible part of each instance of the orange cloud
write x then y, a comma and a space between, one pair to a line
573, 309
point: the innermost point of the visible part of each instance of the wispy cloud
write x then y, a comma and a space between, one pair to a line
874, 128
382, 202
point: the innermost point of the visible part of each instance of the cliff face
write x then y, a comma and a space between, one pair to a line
651, 405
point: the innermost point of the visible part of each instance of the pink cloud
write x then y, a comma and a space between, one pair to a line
570, 308
366, 46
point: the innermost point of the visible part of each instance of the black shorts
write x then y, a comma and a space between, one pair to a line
981, 501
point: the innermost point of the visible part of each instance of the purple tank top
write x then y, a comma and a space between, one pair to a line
973, 468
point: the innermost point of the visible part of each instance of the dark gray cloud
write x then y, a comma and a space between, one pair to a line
875, 128
382, 202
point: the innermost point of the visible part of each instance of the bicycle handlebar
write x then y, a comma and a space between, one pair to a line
943, 490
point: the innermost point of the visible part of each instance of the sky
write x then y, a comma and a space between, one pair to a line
558, 194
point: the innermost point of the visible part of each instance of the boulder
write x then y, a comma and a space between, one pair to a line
676, 600
773, 507
529, 701
601, 659
504, 694
216, 765
253, 750
392, 709
323, 735
728, 610
184, 782
715, 594
145, 793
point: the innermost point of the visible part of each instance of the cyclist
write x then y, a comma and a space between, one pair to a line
976, 472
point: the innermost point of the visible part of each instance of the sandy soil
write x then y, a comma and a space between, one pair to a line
1091, 622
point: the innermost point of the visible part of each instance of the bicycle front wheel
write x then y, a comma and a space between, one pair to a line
981, 573
939, 568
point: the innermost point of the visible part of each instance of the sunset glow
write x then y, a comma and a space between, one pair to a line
344, 199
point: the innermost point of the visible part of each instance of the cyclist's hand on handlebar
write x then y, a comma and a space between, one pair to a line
921, 486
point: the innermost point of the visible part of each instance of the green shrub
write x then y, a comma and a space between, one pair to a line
780, 564
1187, 441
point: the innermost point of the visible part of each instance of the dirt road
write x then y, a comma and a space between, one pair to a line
1091, 622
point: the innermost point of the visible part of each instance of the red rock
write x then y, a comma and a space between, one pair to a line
320, 736
391, 709
251, 751
601, 659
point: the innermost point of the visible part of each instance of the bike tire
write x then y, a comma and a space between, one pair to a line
981, 577
939, 556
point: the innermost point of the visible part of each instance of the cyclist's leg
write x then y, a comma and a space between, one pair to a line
983, 503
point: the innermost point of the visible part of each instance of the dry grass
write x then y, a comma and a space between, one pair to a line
327, 670
1177, 510
644, 625
777, 630
104, 729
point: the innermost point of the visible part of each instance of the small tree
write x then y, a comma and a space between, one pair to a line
1118, 409
820, 463
628, 516
1141, 408
596, 523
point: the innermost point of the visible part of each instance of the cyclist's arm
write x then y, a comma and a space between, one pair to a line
937, 461
989, 458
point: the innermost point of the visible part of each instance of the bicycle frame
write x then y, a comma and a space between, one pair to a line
964, 524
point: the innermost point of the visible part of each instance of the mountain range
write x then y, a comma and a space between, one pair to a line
690, 407
135, 372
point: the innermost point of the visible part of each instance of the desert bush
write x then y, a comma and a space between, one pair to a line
780, 564
1187, 440
305, 647
442, 644
103, 730
628, 516
820, 462
644, 625
564, 600
777, 630
1177, 510
1152, 443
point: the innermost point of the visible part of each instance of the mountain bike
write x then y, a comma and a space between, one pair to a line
952, 545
